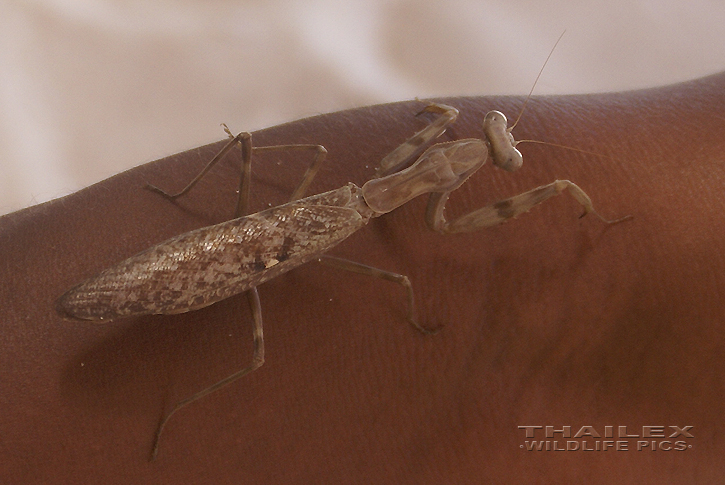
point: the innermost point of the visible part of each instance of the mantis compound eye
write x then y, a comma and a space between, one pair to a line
501, 142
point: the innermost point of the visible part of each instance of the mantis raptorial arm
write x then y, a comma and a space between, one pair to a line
505, 209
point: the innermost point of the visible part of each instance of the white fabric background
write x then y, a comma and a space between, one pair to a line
89, 88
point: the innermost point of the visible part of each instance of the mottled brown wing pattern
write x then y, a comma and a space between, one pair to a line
212, 263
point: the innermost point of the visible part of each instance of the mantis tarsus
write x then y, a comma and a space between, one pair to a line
201, 267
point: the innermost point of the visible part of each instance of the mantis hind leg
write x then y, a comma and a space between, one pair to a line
257, 361
244, 139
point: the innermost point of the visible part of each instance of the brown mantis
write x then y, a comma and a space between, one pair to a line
201, 267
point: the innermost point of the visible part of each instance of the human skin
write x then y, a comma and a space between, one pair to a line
548, 320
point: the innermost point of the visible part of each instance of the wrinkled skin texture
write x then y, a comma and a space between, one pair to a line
549, 319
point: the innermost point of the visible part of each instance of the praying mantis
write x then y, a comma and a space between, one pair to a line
206, 265
209, 264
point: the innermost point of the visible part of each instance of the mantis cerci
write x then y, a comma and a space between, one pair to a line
206, 265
